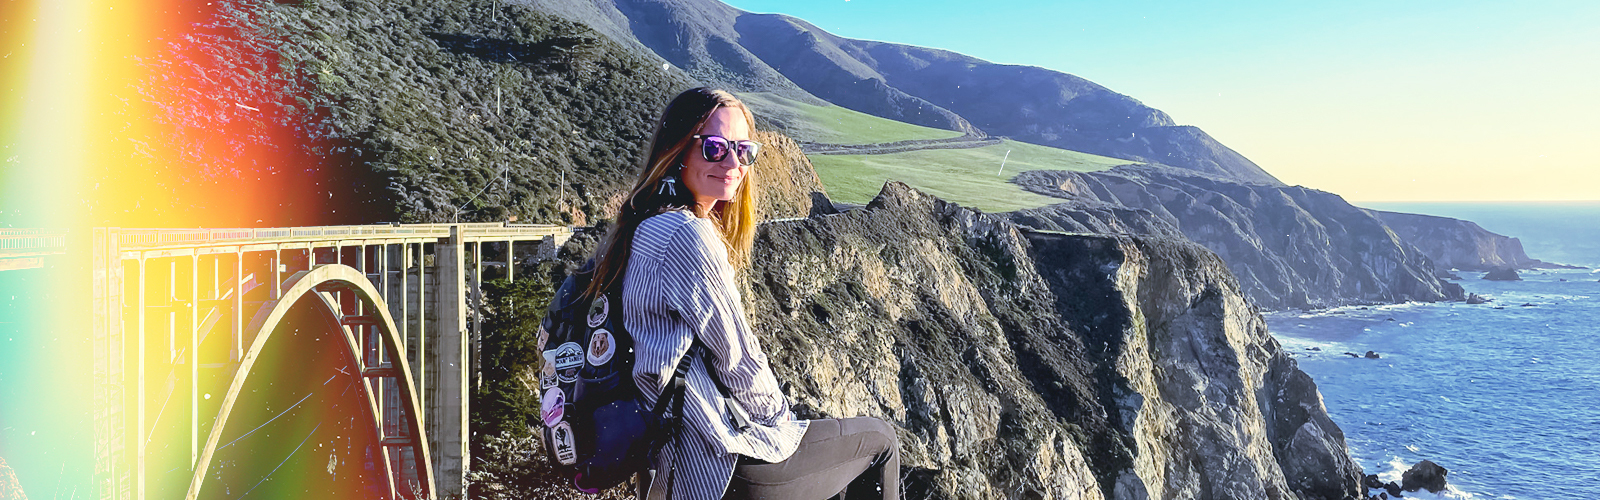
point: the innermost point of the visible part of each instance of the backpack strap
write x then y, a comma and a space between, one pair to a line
736, 416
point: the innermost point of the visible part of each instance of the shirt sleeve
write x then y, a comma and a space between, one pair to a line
701, 289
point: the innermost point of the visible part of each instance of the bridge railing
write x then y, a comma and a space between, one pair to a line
146, 239
32, 242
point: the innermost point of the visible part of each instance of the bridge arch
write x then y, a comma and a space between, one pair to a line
320, 286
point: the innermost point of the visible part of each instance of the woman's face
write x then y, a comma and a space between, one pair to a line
716, 181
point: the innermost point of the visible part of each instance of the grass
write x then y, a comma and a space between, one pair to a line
970, 177
834, 124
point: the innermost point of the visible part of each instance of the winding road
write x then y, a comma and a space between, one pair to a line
883, 148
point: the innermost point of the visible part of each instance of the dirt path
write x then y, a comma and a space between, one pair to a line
962, 142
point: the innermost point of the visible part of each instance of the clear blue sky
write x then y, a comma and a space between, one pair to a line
1427, 100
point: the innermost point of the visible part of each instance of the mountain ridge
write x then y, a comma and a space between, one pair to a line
922, 86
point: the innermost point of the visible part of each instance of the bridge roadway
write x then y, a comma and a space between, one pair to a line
181, 317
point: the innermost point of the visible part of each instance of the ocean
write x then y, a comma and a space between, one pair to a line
1506, 395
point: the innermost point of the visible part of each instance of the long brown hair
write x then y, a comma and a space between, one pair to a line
736, 218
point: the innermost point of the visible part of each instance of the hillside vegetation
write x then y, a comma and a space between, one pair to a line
807, 122
970, 177
477, 109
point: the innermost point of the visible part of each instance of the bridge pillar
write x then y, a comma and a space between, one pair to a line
447, 410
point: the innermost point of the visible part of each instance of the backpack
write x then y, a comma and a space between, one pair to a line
596, 427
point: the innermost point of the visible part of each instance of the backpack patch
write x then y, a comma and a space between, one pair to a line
598, 310
601, 347
562, 444
553, 406
567, 358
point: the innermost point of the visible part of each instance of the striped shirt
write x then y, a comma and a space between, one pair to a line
678, 287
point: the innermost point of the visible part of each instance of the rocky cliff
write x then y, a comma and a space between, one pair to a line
1290, 247
1024, 364
1460, 244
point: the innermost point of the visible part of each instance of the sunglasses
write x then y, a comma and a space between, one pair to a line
715, 147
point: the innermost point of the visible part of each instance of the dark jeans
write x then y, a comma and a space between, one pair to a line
861, 453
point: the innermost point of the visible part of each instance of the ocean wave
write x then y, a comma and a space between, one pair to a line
1396, 467
1351, 310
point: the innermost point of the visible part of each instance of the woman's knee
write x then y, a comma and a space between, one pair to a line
879, 433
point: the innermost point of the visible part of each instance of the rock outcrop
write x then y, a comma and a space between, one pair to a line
787, 185
1291, 247
1024, 364
1459, 244
1425, 475
1502, 274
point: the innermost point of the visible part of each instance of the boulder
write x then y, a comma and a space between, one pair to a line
1424, 475
1371, 481
1478, 299
1373, 355
1502, 274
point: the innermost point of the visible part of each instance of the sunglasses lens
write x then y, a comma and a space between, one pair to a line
714, 148
747, 152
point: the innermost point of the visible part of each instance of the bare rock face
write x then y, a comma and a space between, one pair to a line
786, 184
1290, 247
1020, 364
1459, 244
1424, 475
1090, 216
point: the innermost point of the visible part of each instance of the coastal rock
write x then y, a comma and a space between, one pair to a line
1372, 355
1371, 481
1027, 364
1424, 475
1502, 274
1478, 299
1290, 247
1458, 244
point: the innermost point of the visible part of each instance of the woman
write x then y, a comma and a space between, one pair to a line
688, 222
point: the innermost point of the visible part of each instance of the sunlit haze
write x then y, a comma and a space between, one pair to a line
1426, 101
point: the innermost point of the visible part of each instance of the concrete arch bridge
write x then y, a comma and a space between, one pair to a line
272, 362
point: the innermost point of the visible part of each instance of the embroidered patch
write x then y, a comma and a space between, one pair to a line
601, 347
544, 336
553, 406
561, 435
568, 355
598, 311
567, 359
547, 376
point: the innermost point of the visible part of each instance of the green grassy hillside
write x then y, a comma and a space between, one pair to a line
971, 177
834, 124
